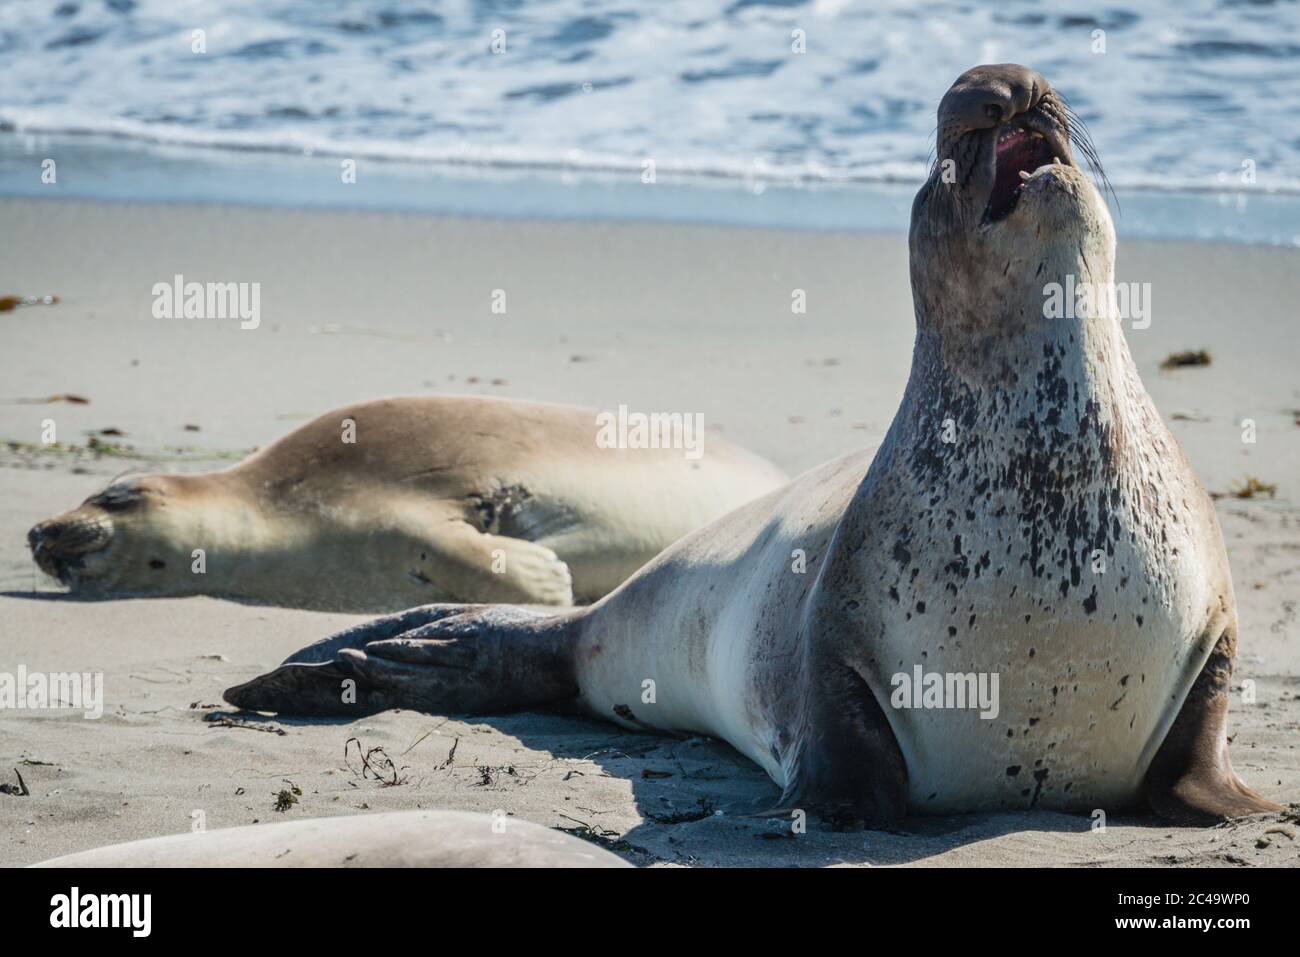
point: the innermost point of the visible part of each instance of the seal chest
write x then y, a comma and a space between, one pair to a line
1070, 690
1028, 543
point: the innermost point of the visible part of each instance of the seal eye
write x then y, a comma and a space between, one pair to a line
993, 112
157, 563
118, 498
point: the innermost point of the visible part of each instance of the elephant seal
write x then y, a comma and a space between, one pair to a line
1028, 529
391, 839
397, 502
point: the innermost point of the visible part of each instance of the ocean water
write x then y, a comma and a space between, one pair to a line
1181, 95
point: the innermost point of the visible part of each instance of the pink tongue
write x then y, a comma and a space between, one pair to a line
1014, 141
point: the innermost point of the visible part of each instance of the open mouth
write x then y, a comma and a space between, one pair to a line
1018, 150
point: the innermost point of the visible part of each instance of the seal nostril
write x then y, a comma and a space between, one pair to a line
994, 112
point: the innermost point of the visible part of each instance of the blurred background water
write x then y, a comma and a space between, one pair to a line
1181, 95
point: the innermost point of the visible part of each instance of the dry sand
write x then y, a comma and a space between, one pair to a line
657, 317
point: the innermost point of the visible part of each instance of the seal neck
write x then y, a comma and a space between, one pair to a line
224, 520
1045, 331
1091, 352
1061, 390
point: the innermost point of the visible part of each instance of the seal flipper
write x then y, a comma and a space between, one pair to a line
482, 659
389, 626
1191, 780
467, 563
319, 689
846, 764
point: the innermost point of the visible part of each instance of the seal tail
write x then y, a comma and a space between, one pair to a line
445, 659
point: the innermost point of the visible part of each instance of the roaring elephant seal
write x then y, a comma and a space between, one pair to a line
1022, 601
391, 839
398, 502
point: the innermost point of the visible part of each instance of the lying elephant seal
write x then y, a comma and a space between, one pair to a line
1028, 529
391, 839
433, 499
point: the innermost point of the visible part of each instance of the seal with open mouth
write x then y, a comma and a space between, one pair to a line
1029, 525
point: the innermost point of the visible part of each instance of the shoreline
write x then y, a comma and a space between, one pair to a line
93, 168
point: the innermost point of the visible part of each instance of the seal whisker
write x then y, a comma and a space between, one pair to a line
1082, 138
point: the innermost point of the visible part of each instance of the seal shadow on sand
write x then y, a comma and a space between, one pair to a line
31, 594
701, 802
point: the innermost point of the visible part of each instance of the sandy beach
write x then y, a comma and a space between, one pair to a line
686, 318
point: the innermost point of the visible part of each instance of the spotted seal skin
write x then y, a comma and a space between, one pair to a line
1028, 517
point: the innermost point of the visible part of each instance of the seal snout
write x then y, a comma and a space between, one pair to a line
984, 97
60, 545
998, 124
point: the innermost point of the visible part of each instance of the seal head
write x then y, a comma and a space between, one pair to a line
122, 540
1005, 208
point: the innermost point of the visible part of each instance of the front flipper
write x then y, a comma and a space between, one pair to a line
471, 565
483, 659
1191, 780
846, 764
